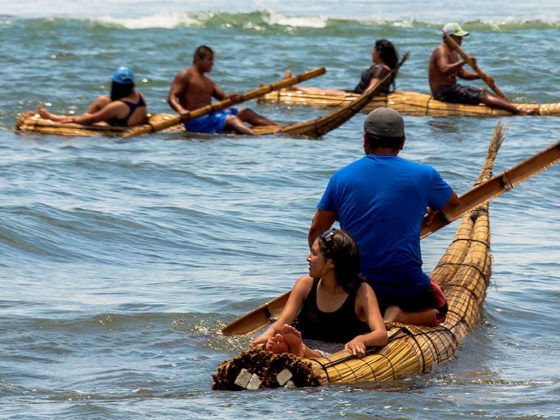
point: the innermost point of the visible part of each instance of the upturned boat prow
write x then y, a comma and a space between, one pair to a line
463, 273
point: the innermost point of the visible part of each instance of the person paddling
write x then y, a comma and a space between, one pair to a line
332, 303
444, 69
192, 89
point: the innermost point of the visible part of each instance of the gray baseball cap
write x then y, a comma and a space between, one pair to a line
384, 122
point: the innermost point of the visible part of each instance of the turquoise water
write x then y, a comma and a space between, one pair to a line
121, 259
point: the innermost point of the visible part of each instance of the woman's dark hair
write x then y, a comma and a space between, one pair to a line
120, 90
340, 247
389, 55
387, 52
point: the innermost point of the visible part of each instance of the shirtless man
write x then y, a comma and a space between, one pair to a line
192, 89
444, 69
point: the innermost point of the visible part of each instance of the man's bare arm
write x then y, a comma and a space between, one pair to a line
322, 220
178, 87
444, 65
217, 92
467, 75
452, 203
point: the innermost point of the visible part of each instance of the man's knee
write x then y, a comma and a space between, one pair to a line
244, 113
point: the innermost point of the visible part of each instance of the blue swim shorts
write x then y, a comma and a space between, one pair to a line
459, 94
213, 122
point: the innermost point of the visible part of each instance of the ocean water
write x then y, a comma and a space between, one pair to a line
120, 260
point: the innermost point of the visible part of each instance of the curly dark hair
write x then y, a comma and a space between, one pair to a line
340, 247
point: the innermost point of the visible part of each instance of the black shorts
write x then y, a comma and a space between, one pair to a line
459, 94
431, 298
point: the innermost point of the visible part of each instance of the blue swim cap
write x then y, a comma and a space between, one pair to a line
123, 75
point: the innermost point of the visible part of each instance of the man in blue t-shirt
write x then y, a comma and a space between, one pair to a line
381, 200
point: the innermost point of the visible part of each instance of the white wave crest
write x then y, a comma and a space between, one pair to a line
165, 20
296, 21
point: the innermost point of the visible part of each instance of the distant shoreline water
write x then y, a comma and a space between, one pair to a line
263, 21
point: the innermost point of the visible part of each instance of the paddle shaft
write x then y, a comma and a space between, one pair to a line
251, 94
454, 46
334, 119
496, 186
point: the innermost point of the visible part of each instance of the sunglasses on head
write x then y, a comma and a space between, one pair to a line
327, 237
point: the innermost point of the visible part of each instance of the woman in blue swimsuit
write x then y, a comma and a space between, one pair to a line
124, 107
332, 303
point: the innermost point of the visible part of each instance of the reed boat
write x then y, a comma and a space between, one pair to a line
407, 103
31, 122
463, 273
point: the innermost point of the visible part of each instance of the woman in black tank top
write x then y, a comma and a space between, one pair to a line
123, 108
333, 303
385, 58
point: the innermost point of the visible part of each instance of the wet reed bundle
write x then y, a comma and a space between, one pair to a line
463, 273
31, 122
409, 103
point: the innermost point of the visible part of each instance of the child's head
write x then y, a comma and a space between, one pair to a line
340, 247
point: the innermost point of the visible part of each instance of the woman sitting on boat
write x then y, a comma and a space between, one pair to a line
385, 58
332, 303
124, 107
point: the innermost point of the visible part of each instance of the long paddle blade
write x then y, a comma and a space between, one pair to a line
496, 186
251, 94
491, 84
257, 318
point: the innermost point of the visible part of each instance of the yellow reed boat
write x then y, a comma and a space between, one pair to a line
463, 273
31, 122
407, 103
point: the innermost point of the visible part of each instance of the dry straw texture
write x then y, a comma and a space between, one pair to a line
408, 103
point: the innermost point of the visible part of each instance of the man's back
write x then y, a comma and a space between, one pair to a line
381, 201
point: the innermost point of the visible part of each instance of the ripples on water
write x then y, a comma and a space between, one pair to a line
121, 259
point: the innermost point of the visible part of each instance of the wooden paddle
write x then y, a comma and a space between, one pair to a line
251, 94
454, 46
496, 186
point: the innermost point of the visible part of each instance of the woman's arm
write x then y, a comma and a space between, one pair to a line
291, 309
368, 309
